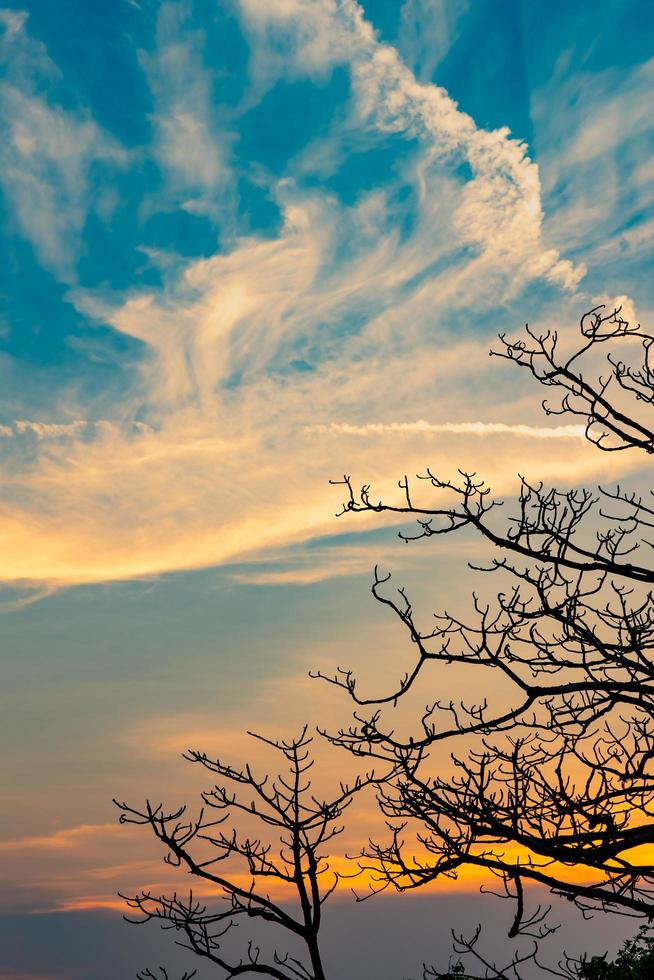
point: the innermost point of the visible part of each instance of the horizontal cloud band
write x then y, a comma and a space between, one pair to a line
455, 428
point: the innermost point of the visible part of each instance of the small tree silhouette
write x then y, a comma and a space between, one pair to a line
301, 826
635, 961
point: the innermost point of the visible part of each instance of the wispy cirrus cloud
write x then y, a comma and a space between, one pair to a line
191, 149
78, 868
48, 153
427, 31
354, 313
67, 838
596, 159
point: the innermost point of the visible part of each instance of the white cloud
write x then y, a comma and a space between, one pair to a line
46, 154
500, 210
595, 157
260, 359
189, 146
428, 28
624, 304
294, 38
616, 111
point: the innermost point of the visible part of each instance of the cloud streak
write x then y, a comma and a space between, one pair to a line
455, 428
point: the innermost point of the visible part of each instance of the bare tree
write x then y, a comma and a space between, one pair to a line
216, 849
554, 775
608, 405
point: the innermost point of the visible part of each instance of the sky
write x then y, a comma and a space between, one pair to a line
249, 246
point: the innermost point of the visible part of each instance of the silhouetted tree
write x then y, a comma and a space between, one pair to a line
635, 961
552, 767
162, 974
217, 849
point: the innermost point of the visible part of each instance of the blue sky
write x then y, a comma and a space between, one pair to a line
217, 215
250, 245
